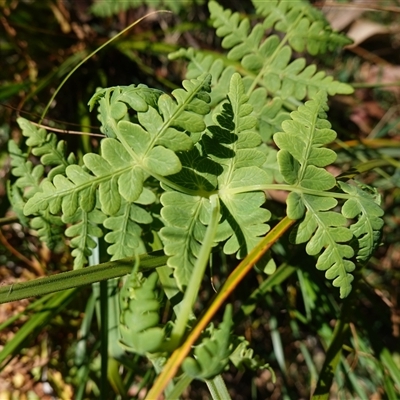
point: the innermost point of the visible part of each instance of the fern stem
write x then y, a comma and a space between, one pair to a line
271, 59
288, 188
218, 389
197, 276
171, 367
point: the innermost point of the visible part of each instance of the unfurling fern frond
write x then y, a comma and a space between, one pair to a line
140, 318
212, 355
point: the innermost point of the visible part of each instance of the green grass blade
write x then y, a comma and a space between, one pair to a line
218, 389
77, 278
35, 323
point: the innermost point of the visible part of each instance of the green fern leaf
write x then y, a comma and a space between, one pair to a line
140, 315
301, 159
305, 26
325, 231
212, 356
84, 226
185, 218
137, 152
29, 177
269, 60
50, 228
125, 235
206, 63
302, 156
365, 208
45, 145
232, 143
270, 114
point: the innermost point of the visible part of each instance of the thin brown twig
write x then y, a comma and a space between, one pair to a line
365, 5
34, 266
67, 131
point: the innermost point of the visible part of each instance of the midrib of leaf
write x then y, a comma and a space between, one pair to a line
332, 242
288, 188
177, 112
309, 144
83, 186
266, 68
370, 229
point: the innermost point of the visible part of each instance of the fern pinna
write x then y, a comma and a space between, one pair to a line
200, 160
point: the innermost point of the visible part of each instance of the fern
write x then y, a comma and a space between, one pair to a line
212, 355
136, 152
269, 59
139, 319
301, 158
232, 144
305, 26
224, 159
198, 162
51, 153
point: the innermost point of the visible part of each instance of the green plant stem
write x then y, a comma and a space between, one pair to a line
361, 85
218, 388
192, 290
41, 318
80, 277
288, 188
334, 352
104, 340
331, 361
176, 359
8, 220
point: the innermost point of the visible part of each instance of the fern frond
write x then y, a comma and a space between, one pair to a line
113, 102
28, 176
212, 354
199, 64
139, 150
270, 114
84, 226
140, 315
125, 230
45, 145
364, 207
301, 159
301, 156
185, 218
233, 143
48, 227
326, 231
305, 26
270, 59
